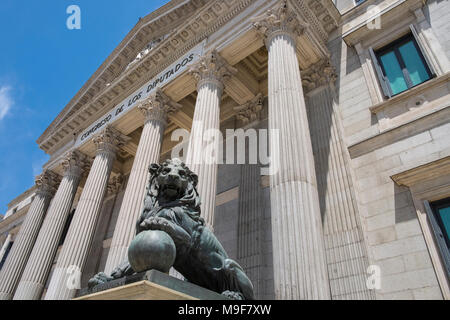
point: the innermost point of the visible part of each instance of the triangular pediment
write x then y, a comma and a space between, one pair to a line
148, 32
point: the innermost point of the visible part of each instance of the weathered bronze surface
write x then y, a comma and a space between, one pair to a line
172, 205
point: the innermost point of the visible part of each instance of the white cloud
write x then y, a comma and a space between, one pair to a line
6, 101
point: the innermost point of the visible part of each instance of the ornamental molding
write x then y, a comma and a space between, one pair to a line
114, 184
75, 164
110, 140
158, 106
211, 68
46, 183
279, 20
251, 110
202, 19
319, 74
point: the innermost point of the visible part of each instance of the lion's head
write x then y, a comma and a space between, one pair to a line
173, 183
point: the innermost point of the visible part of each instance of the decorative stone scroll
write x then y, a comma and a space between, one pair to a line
279, 20
158, 106
250, 111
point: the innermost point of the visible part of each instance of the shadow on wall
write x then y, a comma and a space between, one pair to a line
403, 204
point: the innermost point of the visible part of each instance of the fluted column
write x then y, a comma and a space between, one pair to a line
5, 246
156, 109
39, 264
81, 232
203, 150
18, 256
298, 250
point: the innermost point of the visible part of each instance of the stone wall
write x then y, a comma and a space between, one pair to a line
389, 218
437, 13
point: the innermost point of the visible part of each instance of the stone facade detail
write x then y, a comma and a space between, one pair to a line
23, 245
211, 68
281, 20
158, 107
250, 111
320, 74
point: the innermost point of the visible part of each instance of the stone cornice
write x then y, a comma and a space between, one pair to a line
163, 20
420, 174
158, 106
206, 21
207, 18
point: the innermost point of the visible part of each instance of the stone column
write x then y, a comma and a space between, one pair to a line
5, 246
67, 274
156, 110
298, 249
18, 256
343, 235
203, 151
40, 262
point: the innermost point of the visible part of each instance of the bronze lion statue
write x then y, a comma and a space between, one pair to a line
172, 205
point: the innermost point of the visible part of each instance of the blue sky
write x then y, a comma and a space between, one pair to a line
42, 66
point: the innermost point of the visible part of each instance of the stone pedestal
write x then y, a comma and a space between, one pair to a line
142, 290
151, 285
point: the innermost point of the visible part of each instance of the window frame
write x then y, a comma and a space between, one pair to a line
394, 47
439, 234
435, 206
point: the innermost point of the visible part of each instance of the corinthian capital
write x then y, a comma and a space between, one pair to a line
74, 163
251, 110
158, 106
114, 184
46, 183
280, 20
110, 140
211, 68
319, 74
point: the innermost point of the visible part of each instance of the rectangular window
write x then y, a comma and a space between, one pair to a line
439, 217
402, 65
357, 2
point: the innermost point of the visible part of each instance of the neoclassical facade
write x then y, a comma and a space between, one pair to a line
348, 99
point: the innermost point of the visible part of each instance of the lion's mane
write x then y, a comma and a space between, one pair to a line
190, 199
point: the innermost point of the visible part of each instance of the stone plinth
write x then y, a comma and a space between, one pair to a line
151, 285
142, 290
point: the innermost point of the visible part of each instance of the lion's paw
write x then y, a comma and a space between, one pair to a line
233, 295
158, 223
99, 278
